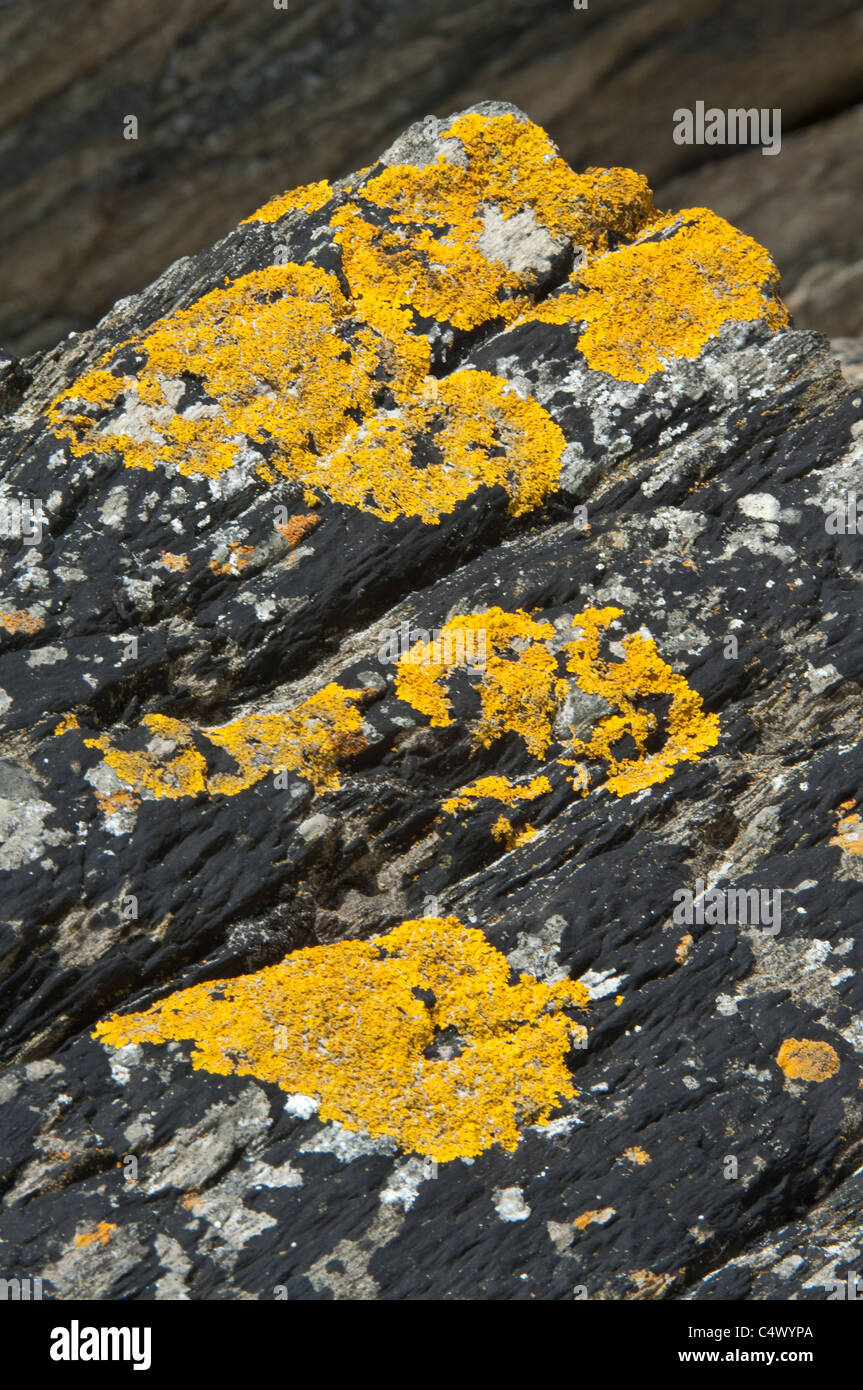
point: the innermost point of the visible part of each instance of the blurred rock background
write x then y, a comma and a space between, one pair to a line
237, 100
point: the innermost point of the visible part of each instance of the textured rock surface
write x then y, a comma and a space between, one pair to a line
234, 100
464, 389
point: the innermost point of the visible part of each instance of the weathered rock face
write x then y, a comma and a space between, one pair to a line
413, 595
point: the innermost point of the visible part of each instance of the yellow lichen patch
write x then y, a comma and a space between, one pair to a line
19, 620
434, 255
486, 435
271, 354
521, 693
239, 558
296, 527
803, 1059
849, 830
69, 721
664, 297
637, 1155
519, 689
504, 830
101, 1234
310, 740
282, 357
309, 197
170, 561
346, 1025
497, 789
640, 676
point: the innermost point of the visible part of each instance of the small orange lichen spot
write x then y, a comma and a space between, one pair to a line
803, 1059
352, 1025
309, 197
110, 803
237, 561
639, 677
637, 1155
684, 946
667, 294
849, 831
587, 1218
618, 999
497, 789
102, 1233
298, 526
69, 721
174, 562
19, 620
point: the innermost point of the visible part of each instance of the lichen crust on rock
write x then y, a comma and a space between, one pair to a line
427, 634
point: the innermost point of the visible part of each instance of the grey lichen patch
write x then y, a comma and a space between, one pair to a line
24, 832
509, 1204
199, 1152
223, 1206
344, 1271
519, 242
345, 1145
92, 1267
173, 1259
797, 965
536, 953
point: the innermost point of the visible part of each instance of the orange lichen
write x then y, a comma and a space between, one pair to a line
309, 197
101, 1233
588, 1218
346, 1024
683, 947
238, 559
178, 563
310, 740
486, 435
19, 620
649, 1284
497, 789
665, 296
431, 256
69, 721
325, 379
637, 1155
803, 1059
640, 676
296, 527
518, 689
111, 803
270, 352
285, 362
504, 830
849, 830
520, 692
